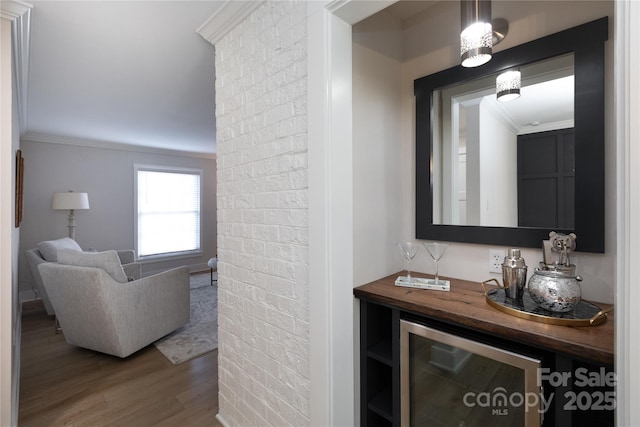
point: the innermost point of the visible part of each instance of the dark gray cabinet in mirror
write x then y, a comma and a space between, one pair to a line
567, 195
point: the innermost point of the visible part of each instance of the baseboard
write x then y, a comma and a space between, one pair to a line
17, 356
193, 268
27, 296
222, 420
198, 268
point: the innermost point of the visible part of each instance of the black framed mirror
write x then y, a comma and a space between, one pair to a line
573, 202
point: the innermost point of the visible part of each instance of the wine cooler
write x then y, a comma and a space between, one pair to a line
450, 380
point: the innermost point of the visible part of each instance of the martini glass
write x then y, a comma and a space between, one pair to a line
437, 251
409, 251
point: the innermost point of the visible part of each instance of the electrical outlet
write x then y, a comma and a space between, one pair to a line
496, 258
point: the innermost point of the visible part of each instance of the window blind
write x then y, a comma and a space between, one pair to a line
168, 212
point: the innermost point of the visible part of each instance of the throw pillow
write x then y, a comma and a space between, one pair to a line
107, 260
49, 248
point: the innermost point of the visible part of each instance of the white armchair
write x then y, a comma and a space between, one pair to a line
100, 313
47, 251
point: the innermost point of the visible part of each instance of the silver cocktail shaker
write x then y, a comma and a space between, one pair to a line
514, 274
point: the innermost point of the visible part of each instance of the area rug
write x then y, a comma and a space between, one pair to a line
200, 335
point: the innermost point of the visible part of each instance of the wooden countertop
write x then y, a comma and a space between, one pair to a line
465, 305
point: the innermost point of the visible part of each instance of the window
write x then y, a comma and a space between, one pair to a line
168, 211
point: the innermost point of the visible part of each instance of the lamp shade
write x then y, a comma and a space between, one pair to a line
70, 200
476, 37
508, 85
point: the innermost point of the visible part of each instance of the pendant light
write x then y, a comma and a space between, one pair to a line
508, 85
476, 37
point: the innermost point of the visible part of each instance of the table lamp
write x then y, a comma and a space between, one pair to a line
71, 201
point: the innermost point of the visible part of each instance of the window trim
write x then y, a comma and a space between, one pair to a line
167, 169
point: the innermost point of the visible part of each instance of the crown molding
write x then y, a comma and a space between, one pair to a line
229, 14
503, 116
108, 145
12, 9
20, 14
544, 127
353, 11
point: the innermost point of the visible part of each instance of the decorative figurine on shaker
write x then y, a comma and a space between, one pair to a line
554, 285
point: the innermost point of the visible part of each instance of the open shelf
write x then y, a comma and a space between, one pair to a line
375, 420
381, 352
379, 365
381, 404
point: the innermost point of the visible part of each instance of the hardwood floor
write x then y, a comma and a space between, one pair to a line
63, 385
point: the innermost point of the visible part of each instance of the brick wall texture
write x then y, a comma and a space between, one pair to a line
261, 100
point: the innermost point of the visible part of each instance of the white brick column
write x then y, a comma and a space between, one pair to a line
261, 112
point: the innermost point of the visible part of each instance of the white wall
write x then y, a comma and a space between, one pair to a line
10, 309
378, 199
263, 226
499, 171
107, 175
6, 226
16, 311
430, 45
474, 165
627, 89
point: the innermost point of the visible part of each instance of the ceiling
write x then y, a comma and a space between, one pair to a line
129, 72
407, 9
542, 106
124, 72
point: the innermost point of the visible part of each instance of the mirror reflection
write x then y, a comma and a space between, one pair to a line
506, 164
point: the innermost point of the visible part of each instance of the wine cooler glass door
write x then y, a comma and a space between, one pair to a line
447, 380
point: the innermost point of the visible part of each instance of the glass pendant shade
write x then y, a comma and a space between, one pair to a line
508, 85
476, 38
